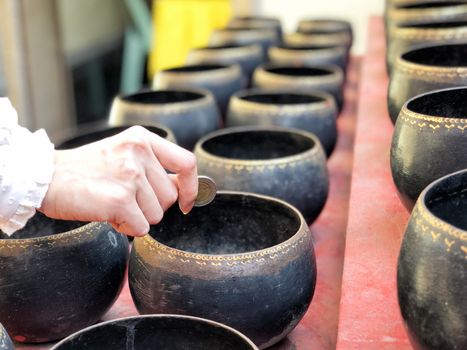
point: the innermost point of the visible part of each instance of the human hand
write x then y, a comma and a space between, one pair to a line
122, 180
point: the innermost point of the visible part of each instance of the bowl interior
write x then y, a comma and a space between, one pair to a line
282, 98
448, 200
162, 97
196, 68
96, 135
447, 104
257, 144
40, 226
231, 224
299, 71
429, 5
155, 333
434, 25
443, 55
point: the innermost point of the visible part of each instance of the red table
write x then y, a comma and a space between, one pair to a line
369, 312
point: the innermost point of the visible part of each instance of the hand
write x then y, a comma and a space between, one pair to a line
122, 180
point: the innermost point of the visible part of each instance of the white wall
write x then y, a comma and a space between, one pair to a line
291, 11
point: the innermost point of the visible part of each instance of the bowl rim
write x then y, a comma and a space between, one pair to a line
405, 64
435, 220
84, 229
302, 230
246, 48
199, 149
405, 111
158, 316
334, 74
326, 98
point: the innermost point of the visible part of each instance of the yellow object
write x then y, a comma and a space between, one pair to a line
180, 25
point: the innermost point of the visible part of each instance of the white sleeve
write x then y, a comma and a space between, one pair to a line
26, 169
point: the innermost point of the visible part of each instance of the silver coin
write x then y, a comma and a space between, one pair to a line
207, 190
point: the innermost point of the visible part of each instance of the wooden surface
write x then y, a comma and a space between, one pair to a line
369, 311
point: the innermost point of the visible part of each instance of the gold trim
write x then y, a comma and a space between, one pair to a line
51, 240
450, 234
432, 122
256, 257
419, 70
431, 34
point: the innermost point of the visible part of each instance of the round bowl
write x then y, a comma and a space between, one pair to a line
257, 22
161, 332
425, 11
59, 277
423, 70
221, 80
432, 271
244, 260
5, 341
189, 113
313, 112
429, 141
289, 164
302, 79
311, 55
319, 37
326, 25
265, 37
91, 132
412, 35
247, 56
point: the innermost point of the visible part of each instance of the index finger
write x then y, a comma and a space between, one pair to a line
181, 162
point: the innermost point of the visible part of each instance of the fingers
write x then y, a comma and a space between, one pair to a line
132, 223
181, 162
148, 203
165, 190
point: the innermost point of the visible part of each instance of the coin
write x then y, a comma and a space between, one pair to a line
206, 191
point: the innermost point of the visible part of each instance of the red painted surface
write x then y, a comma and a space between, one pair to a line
318, 329
369, 312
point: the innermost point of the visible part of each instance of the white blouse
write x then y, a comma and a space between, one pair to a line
26, 169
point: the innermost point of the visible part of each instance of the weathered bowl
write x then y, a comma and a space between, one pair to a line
426, 69
161, 332
319, 37
429, 141
189, 113
257, 22
325, 25
432, 271
426, 11
220, 79
412, 35
58, 277
289, 164
312, 55
313, 112
302, 79
247, 56
265, 37
91, 132
5, 341
244, 260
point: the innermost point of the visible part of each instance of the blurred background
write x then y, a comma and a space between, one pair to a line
63, 61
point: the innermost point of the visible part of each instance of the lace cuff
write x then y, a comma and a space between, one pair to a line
26, 170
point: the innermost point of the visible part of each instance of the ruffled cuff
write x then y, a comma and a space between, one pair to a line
27, 163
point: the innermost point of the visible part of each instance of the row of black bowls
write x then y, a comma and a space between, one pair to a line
427, 100
246, 260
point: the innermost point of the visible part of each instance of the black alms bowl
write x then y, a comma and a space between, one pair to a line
244, 260
429, 141
285, 163
432, 269
160, 332
58, 277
